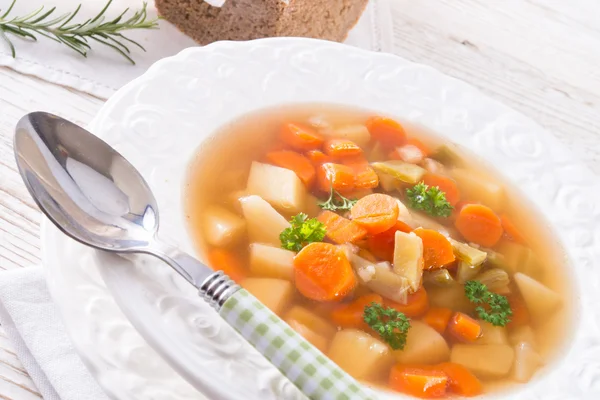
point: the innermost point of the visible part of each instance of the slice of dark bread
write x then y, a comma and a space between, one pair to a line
253, 19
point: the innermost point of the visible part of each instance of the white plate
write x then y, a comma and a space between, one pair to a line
157, 122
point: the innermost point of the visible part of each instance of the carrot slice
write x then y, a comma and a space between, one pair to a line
520, 314
460, 380
438, 318
365, 177
376, 212
351, 315
301, 137
323, 273
341, 230
479, 224
511, 231
296, 162
341, 148
446, 185
387, 131
423, 382
416, 304
464, 328
437, 250
382, 244
340, 177
419, 145
228, 262
317, 157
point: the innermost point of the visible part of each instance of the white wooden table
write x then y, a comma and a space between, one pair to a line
541, 57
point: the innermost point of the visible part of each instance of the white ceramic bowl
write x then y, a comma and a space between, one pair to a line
159, 120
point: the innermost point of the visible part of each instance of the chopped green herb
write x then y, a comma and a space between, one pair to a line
391, 325
429, 199
337, 202
302, 232
492, 307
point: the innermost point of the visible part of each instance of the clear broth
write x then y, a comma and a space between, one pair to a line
222, 164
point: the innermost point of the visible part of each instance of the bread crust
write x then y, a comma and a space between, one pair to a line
254, 19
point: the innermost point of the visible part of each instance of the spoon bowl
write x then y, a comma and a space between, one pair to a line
84, 186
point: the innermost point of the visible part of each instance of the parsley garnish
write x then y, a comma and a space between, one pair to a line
493, 308
337, 202
429, 199
302, 232
390, 324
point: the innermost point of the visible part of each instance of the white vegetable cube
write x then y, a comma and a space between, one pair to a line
275, 294
222, 227
523, 334
527, 361
263, 222
359, 134
491, 334
539, 299
408, 258
486, 361
279, 186
359, 354
271, 262
424, 345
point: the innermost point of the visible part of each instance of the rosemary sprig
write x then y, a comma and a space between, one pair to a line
77, 36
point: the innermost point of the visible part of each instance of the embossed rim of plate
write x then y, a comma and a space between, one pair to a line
557, 184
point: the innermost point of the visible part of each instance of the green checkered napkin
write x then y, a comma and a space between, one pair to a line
314, 374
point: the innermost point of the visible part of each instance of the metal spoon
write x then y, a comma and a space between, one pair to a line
94, 195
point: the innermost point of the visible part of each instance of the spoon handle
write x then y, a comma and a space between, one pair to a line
313, 373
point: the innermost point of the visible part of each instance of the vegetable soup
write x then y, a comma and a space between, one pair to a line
399, 255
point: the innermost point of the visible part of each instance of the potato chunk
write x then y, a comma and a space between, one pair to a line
359, 134
527, 361
481, 188
313, 337
540, 300
222, 227
264, 223
312, 321
271, 262
424, 345
275, 294
380, 278
408, 258
491, 334
360, 354
486, 361
279, 186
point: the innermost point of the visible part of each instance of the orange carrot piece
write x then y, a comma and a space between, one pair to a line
479, 224
340, 177
416, 305
301, 137
351, 315
365, 177
438, 318
341, 148
228, 262
296, 162
376, 212
382, 244
423, 382
511, 231
387, 131
341, 230
317, 157
520, 314
437, 250
446, 185
464, 328
355, 161
419, 145
460, 380
323, 273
